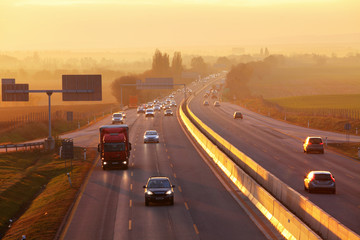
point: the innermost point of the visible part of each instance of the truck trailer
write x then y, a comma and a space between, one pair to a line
114, 146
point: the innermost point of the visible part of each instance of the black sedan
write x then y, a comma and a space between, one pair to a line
159, 189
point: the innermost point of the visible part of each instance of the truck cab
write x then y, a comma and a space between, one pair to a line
114, 146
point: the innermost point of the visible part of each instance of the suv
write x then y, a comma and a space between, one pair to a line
159, 189
238, 115
319, 180
313, 144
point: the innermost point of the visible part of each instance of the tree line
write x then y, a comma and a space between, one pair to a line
162, 67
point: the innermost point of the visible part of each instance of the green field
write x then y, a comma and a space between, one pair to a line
350, 101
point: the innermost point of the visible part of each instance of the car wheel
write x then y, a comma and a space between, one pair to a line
146, 202
172, 201
305, 188
322, 152
334, 191
104, 168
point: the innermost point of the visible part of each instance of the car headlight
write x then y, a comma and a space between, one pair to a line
169, 192
149, 192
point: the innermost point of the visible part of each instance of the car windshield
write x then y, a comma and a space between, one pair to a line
159, 183
151, 133
114, 147
117, 115
315, 140
322, 176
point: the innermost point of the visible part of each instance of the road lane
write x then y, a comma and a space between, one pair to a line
112, 205
274, 147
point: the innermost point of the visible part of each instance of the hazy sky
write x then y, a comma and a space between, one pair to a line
107, 24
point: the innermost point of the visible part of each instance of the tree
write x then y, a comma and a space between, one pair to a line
176, 64
223, 63
160, 64
127, 91
198, 65
238, 78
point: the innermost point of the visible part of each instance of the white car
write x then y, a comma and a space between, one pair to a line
117, 118
149, 112
151, 136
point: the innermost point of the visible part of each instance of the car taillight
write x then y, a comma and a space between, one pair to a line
333, 178
321, 143
309, 143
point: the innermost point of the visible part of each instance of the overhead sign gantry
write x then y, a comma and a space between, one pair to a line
74, 88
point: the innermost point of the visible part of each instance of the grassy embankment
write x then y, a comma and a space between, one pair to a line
34, 187
299, 115
36, 193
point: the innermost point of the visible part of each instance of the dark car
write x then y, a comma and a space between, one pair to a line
313, 144
159, 189
206, 103
216, 104
238, 115
319, 180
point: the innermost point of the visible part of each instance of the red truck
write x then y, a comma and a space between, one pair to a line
114, 146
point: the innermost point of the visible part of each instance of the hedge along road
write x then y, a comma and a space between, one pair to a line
277, 146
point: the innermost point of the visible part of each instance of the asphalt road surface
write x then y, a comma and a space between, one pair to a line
112, 203
277, 146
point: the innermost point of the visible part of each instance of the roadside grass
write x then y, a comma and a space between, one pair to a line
343, 101
348, 149
300, 118
41, 195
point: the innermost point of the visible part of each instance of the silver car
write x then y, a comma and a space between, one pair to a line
151, 136
149, 112
319, 180
117, 118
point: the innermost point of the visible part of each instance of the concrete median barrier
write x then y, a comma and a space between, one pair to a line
282, 205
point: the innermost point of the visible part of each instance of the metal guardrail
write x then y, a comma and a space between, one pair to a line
21, 146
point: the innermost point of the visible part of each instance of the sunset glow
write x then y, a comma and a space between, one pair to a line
95, 24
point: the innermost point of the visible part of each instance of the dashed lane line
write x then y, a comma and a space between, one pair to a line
186, 206
196, 229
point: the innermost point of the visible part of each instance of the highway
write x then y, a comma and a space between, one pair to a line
277, 146
111, 205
